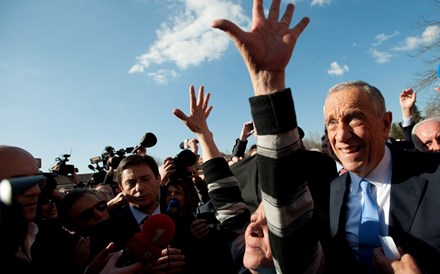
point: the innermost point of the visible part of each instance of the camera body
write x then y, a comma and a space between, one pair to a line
61, 167
184, 159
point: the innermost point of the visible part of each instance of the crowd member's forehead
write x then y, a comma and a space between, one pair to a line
16, 162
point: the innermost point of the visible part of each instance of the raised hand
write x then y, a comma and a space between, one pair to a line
196, 122
247, 130
267, 48
407, 101
198, 113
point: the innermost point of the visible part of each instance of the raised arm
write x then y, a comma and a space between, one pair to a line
266, 51
222, 185
407, 101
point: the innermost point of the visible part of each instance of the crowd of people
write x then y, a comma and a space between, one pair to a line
279, 208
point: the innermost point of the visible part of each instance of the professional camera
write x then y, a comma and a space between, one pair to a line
115, 156
184, 159
61, 167
99, 172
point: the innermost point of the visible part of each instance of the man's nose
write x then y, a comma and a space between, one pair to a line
256, 230
343, 132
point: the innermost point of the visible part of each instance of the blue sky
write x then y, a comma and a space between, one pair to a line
76, 76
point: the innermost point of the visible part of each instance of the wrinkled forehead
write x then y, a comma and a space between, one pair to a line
15, 162
342, 100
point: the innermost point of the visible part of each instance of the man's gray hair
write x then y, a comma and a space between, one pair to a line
373, 92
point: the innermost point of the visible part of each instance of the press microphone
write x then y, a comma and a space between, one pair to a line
148, 140
157, 231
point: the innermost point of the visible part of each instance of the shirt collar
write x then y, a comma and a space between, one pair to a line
380, 176
140, 216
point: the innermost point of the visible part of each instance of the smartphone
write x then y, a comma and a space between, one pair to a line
251, 126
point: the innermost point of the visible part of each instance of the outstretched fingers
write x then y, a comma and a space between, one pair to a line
204, 101
288, 15
274, 10
301, 26
258, 10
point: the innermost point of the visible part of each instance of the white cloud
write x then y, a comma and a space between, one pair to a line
429, 35
163, 76
337, 70
379, 39
187, 38
320, 2
380, 56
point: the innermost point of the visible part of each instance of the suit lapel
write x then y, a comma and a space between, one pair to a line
406, 191
337, 194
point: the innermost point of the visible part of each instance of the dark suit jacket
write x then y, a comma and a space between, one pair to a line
118, 228
414, 220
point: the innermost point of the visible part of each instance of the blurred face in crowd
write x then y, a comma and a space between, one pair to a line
87, 211
141, 187
356, 132
176, 193
428, 135
47, 209
16, 162
258, 256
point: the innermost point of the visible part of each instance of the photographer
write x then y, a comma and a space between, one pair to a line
184, 166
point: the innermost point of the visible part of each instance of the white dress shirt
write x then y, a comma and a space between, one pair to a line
380, 177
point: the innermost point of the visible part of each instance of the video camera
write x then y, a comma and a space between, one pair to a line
99, 171
115, 155
61, 167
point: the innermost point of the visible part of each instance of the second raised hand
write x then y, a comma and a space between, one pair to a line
198, 112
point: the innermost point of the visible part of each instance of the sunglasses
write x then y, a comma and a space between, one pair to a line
89, 213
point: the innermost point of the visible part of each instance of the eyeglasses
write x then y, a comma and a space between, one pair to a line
89, 213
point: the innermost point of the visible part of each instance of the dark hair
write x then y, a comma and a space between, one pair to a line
136, 160
191, 196
66, 203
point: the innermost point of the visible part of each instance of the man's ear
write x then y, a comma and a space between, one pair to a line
387, 121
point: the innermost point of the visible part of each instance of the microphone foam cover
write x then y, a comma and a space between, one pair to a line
157, 231
148, 140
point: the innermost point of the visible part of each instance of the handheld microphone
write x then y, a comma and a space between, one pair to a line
173, 207
148, 140
146, 245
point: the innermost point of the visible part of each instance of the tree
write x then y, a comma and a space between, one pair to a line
417, 116
428, 77
396, 132
433, 107
313, 140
